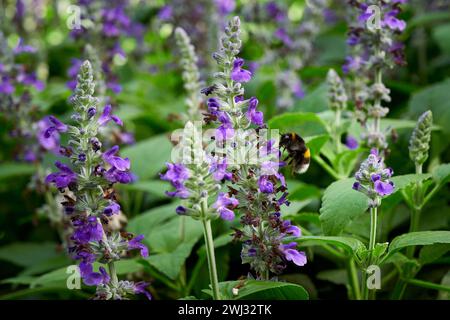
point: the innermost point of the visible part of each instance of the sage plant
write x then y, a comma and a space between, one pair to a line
90, 176
337, 101
256, 183
419, 145
196, 179
374, 50
373, 180
191, 75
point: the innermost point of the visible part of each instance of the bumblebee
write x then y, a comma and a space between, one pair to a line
299, 155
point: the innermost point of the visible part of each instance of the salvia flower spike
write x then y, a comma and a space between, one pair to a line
373, 179
419, 143
259, 188
90, 177
191, 75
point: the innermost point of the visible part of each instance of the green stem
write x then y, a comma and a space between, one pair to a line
372, 240
415, 212
209, 243
327, 168
354, 281
337, 136
428, 285
113, 273
337, 254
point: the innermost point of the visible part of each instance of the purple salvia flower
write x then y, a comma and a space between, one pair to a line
115, 161
291, 254
140, 288
254, 116
108, 116
238, 74
165, 13
265, 186
351, 142
135, 243
225, 7
112, 208
63, 178
88, 230
224, 204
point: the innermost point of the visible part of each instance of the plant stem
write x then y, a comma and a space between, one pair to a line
428, 285
337, 136
327, 168
354, 281
209, 243
372, 240
113, 273
415, 212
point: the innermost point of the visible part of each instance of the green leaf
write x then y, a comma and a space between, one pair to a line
166, 237
426, 18
315, 143
145, 222
148, 156
28, 254
304, 192
156, 188
336, 276
10, 170
311, 217
441, 174
421, 238
58, 278
262, 290
441, 35
305, 124
404, 180
219, 242
345, 161
435, 98
350, 245
429, 254
170, 263
316, 101
340, 205
161, 227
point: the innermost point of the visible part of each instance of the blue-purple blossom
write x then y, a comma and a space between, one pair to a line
112, 208
108, 116
23, 48
291, 229
62, 179
213, 106
165, 13
373, 179
224, 205
254, 116
135, 243
91, 278
291, 254
265, 185
87, 230
117, 162
238, 74
225, 7
219, 169
55, 126
351, 142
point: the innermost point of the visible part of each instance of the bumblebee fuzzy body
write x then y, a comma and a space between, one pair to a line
299, 155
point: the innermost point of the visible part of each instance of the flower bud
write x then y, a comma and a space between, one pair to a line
419, 144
